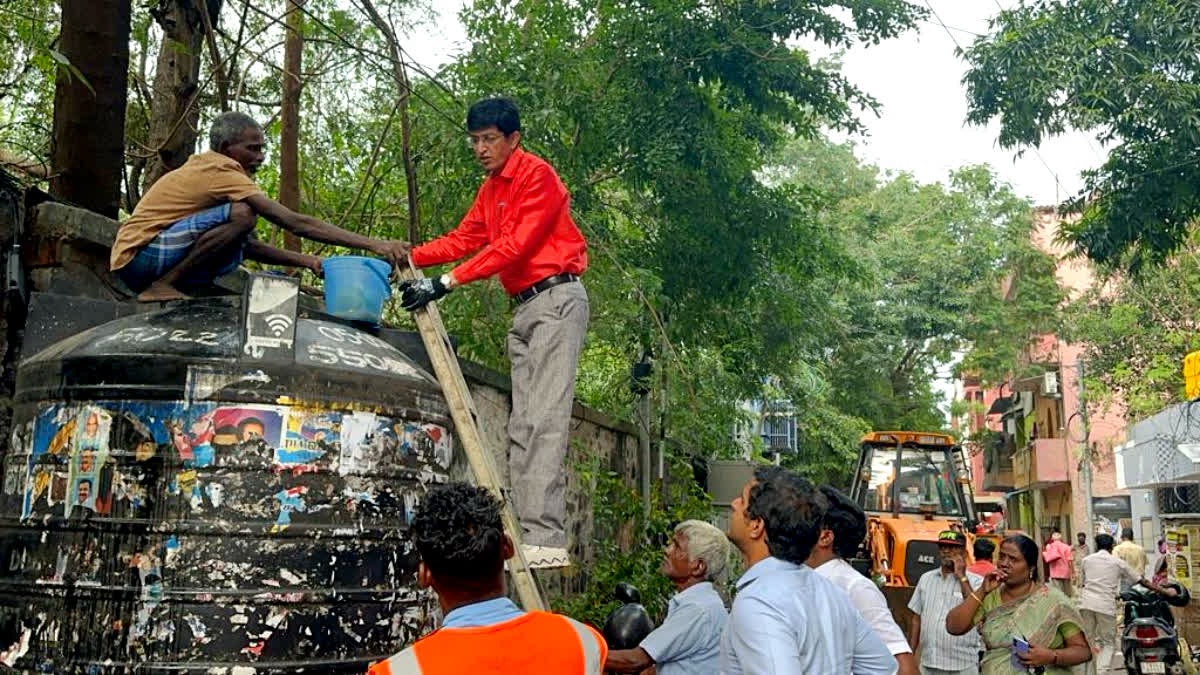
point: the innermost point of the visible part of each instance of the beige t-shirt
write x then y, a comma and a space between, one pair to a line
1133, 555
205, 180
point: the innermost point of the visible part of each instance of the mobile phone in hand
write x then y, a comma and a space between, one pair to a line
1019, 646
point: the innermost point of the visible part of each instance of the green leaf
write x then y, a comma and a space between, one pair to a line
65, 65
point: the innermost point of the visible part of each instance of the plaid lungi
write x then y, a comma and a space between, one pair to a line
171, 246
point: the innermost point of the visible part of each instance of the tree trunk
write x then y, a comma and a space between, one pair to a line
174, 113
289, 117
88, 144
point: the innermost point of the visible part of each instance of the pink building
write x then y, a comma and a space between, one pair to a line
1033, 454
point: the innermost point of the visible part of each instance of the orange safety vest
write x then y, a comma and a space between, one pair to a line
535, 642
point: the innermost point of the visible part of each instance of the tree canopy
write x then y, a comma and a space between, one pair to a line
1125, 72
940, 272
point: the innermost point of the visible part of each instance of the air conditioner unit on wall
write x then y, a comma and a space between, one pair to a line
1050, 384
1026, 402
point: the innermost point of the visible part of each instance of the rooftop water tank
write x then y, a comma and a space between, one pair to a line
182, 496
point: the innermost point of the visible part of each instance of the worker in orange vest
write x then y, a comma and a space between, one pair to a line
458, 533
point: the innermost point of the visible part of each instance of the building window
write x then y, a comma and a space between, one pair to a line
779, 431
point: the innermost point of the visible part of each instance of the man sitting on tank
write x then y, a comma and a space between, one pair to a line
458, 533
197, 222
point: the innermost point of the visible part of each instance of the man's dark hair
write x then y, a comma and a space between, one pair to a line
457, 531
791, 509
1104, 542
1127, 534
501, 113
847, 522
984, 548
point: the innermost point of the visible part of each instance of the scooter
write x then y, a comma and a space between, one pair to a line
1150, 642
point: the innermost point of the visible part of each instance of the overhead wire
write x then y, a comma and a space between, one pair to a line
1057, 183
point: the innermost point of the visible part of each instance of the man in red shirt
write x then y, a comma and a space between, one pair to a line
521, 226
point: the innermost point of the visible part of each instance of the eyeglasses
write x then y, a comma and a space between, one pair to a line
487, 139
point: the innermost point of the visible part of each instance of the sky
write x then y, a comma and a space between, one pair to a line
917, 80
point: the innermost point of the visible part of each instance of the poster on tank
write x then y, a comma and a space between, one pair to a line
361, 443
90, 478
311, 436
245, 424
49, 455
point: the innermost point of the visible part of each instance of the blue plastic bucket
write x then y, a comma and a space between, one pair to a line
356, 287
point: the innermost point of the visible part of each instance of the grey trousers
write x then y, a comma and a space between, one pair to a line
544, 345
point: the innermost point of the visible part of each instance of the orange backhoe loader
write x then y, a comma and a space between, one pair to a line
912, 485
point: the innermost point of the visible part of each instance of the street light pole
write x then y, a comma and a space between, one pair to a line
1085, 466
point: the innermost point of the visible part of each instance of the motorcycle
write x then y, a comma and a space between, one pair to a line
1150, 641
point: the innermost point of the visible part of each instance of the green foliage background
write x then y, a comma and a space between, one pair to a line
1124, 71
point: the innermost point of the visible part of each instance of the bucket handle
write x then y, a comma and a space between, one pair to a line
384, 276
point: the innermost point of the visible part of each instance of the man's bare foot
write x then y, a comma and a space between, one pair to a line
161, 292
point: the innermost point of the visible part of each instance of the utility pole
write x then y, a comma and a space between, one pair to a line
1085, 465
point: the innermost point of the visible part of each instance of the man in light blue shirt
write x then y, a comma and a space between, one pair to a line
689, 640
787, 619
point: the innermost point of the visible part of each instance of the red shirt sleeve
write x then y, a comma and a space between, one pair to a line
468, 237
536, 204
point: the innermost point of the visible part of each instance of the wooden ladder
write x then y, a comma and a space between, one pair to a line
462, 411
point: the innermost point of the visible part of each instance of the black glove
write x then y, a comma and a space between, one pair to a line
416, 293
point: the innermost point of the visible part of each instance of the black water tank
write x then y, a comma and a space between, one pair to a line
171, 504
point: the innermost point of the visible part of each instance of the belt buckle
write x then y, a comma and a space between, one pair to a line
526, 295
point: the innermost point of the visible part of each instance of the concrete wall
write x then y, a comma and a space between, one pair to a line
1145, 508
593, 435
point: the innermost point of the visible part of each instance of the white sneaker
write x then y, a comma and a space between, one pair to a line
545, 557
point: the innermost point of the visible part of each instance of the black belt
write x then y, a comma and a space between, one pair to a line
543, 286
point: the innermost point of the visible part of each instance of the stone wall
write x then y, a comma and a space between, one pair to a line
64, 261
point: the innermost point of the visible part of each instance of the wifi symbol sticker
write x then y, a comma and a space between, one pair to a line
279, 323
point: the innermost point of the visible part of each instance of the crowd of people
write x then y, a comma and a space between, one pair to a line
798, 606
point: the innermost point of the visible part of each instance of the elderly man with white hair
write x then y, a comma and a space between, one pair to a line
689, 640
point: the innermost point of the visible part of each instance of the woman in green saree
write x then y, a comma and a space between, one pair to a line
1012, 604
